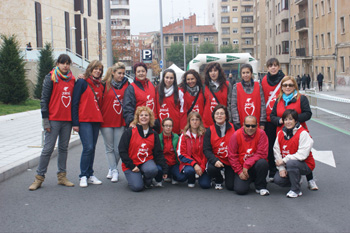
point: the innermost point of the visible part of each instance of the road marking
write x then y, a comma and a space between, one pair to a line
325, 157
331, 126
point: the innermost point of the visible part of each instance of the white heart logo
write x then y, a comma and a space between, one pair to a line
163, 116
142, 156
117, 108
66, 100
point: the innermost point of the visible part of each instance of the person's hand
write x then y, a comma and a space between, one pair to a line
219, 164
283, 173
132, 125
48, 130
76, 129
165, 176
262, 127
281, 121
198, 169
279, 162
136, 169
245, 172
242, 176
81, 76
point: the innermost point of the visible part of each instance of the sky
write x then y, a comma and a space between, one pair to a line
144, 14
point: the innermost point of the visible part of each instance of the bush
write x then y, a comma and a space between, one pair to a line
46, 63
13, 88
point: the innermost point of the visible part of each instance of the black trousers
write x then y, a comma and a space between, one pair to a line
270, 130
215, 173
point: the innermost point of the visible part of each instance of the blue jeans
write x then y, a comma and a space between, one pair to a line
137, 180
111, 137
174, 173
204, 180
88, 132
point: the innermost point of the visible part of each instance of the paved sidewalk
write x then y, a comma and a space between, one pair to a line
20, 142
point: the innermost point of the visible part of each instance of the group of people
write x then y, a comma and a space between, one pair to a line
211, 131
304, 81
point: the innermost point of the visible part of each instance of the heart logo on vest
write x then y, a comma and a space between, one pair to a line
249, 107
284, 151
248, 154
117, 106
163, 112
96, 105
150, 102
195, 108
272, 102
142, 154
66, 100
222, 152
162, 116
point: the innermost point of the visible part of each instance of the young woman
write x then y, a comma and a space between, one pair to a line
113, 124
139, 93
86, 118
190, 152
292, 153
193, 94
216, 141
56, 113
170, 102
216, 91
247, 99
141, 152
290, 98
168, 142
271, 85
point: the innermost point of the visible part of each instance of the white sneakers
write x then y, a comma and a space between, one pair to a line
84, 181
191, 185
218, 186
293, 194
174, 181
312, 185
263, 192
115, 176
94, 180
157, 184
109, 175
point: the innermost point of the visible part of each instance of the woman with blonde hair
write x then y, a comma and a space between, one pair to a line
113, 124
86, 118
190, 152
141, 152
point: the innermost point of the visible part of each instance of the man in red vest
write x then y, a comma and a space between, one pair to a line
248, 149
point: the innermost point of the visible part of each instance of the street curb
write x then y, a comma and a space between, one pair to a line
19, 167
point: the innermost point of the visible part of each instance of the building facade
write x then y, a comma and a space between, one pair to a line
260, 48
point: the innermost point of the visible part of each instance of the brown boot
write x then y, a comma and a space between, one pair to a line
62, 180
37, 183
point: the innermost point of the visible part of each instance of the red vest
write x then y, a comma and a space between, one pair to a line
140, 149
169, 109
246, 149
210, 103
290, 146
168, 150
220, 145
199, 105
248, 104
89, 108
268, 90
146, 97
61, 100
112, 110
281, 108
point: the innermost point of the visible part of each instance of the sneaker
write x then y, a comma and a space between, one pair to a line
293, 194
190, 185
109, 175
157, 184
94, 180
83, 182
115, 175
218, 186
148, 186
270, 180
174, 181
168, 179
312, 185
263, 192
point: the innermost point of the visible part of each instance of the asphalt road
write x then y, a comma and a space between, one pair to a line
112, 207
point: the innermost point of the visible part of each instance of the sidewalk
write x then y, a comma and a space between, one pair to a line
20, 142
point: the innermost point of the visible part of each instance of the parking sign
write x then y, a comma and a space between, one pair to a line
147, 55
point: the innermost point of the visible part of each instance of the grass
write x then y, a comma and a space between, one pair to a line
30, 104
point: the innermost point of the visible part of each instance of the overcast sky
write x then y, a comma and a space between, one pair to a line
144, 14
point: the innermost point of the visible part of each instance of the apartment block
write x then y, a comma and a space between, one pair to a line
260, 34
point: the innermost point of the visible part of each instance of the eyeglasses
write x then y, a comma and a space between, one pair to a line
219, 114
167, 126
248, 126
287, 85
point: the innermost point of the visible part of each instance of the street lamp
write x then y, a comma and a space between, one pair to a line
85, 51
51, 30
71, 38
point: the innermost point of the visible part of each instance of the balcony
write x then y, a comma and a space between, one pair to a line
300, 2
127, 7
302, 52
301, 25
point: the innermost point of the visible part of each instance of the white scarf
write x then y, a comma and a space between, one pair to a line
168, 92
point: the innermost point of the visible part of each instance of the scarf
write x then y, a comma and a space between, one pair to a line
56, 74
118, 85
222, 128
144, 82
96, 81
214, 84
273, 80
168, 92
288, 98
289, 133
192, 90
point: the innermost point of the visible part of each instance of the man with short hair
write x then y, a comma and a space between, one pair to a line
248, 149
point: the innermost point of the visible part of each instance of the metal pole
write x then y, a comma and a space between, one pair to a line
184, 40
108, 34
51, 32
192, 47
161, 33
71, 38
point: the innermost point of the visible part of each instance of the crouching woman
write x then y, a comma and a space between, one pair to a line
140, 151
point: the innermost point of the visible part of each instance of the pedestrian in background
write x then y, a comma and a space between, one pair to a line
308, 81
86, 118
303, 81
141, 152
113, 124
298, 81
56, 106
320, 81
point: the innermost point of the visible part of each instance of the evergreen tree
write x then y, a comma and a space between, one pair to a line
207, 47
46, 63
13, 87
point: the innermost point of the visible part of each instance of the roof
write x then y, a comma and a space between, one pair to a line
190, 29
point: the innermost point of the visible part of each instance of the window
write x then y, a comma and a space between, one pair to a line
235, 30
329, 40
225, 42
316, 40
291, 46
270, 14
322, 40
316, 10
342, 25
329, 6
316, 69
235, 42
270, 51
284, 4
224, 9
225, 19
224, 0
235, 8
247, 19
279, 7
285, 47
176, 38
322, 7
329, 74
279, 49
166, 39
248, 30
195, 39
234, 20
225, 31
276, 29
342, 64
248, 9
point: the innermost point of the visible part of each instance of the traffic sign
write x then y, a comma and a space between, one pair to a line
161, 64
147, 55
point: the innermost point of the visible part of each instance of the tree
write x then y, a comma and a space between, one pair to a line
155, 68
13, 87
229, 49
46, 63
207, 47
175, 54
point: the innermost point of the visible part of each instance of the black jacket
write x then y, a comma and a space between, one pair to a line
46, 96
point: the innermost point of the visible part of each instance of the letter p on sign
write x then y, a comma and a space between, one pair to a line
147, 56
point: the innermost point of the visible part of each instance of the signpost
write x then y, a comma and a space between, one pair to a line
147, 55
